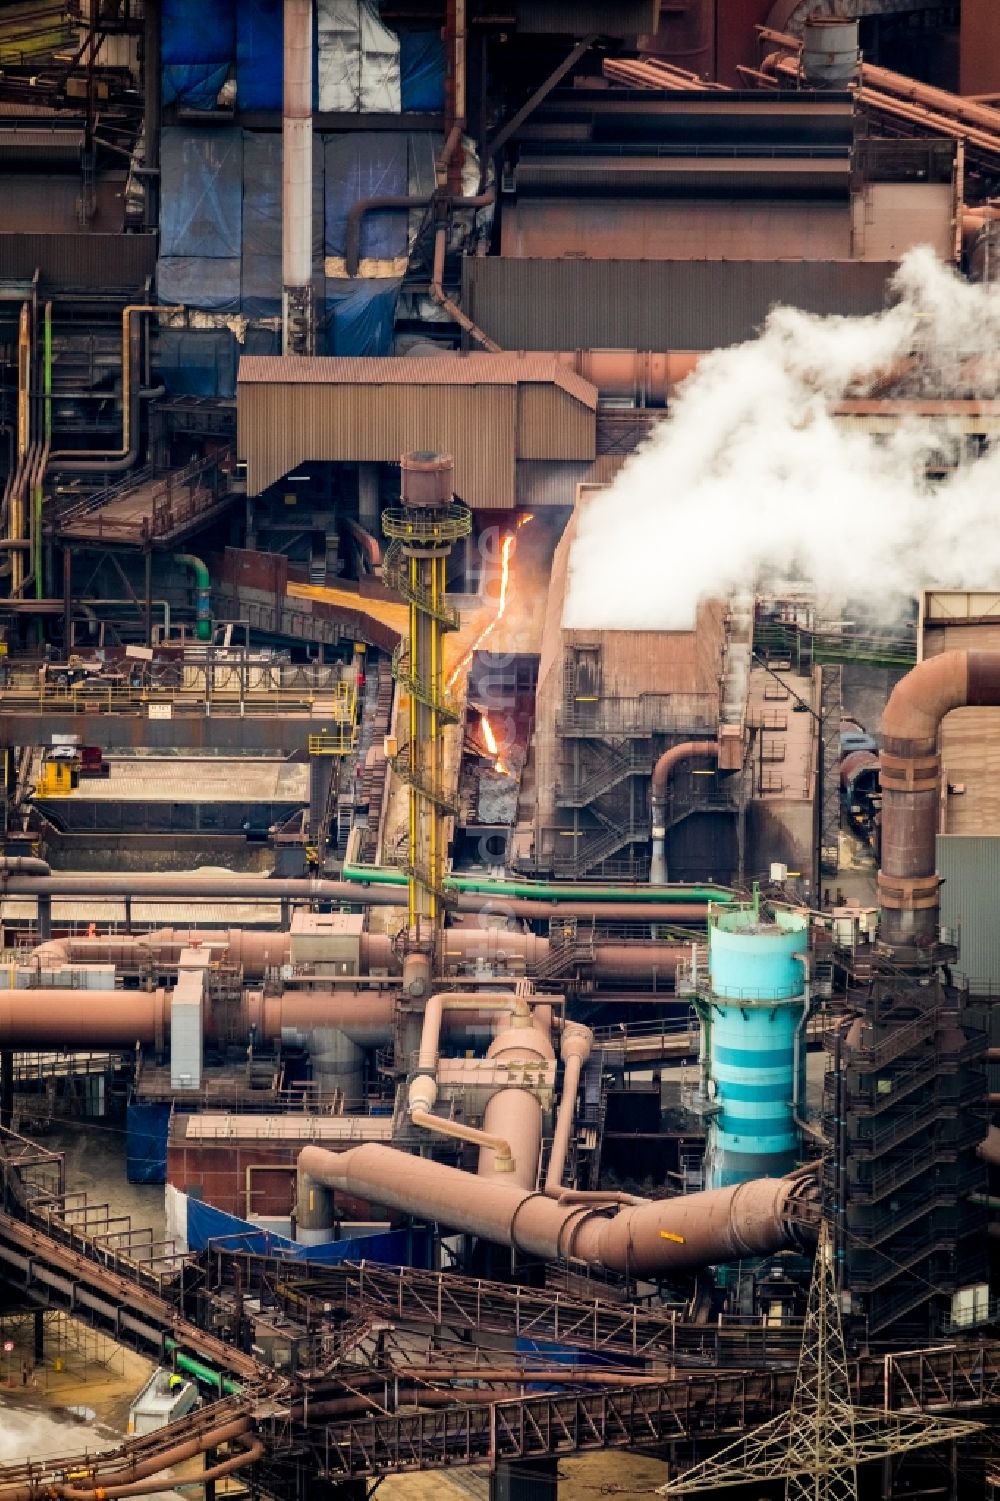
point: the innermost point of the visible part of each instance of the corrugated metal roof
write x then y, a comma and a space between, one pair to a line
437, 370
618, 304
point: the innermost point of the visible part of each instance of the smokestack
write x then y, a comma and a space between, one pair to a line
298, 323
911, 786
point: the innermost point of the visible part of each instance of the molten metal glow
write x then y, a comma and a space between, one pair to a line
489, 737
506, 553
490, 741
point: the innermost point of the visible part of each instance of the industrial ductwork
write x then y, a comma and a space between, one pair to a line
911, 786
652, 1238
664, 769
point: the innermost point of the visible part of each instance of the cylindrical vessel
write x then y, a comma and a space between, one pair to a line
756, 1068
830, 51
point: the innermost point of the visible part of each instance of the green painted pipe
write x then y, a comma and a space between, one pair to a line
203, 582
203, 1373
47, 377
382, 875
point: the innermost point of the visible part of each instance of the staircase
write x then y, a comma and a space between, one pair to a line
615, 765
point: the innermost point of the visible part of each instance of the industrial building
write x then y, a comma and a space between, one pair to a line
510, 1032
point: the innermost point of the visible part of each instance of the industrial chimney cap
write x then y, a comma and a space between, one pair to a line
427, 479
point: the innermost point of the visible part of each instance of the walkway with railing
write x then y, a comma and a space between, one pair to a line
150, 508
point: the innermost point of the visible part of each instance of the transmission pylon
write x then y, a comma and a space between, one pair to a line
817, 1445
422, 532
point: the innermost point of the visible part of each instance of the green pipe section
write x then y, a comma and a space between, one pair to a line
203, 584
382, 875
47, 368
201, 1372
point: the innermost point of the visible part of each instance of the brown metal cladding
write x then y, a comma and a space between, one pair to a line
615, 304
99, 261
551, 425
292, 411
665, 229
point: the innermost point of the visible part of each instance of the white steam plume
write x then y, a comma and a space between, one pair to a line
752, 473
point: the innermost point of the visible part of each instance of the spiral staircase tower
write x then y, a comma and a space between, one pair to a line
422, 531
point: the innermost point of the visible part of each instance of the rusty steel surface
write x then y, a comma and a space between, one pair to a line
439, 370
694, 305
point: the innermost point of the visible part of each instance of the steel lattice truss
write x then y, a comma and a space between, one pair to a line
817, 1445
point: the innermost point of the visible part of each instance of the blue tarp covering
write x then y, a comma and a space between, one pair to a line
366, 164
421, 70
261, 289
198, 361
259, 41
201, 185
206, 1224
146, 1143
198, 46
199, 282
360, 316
194, 85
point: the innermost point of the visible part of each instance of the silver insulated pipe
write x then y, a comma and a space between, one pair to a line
298, 324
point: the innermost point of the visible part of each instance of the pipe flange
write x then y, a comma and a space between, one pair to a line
514, 1217
908, 773
908, 893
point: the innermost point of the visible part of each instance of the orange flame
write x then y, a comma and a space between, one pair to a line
506, 553
490, 741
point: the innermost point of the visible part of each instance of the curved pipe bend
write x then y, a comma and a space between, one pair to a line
664, 769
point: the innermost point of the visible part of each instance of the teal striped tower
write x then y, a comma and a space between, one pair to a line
750, 1012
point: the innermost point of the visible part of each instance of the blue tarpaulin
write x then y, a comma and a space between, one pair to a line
206, 1225
146, 1143
198, 281
259, 42
366, 164
197, 48
421, 70
198, 361
261, 289
201, 182
360, 316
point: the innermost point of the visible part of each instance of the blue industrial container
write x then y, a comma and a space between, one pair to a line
750, 1015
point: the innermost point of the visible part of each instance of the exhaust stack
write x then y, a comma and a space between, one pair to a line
298, 318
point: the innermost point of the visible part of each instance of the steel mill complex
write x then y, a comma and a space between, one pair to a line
500, 723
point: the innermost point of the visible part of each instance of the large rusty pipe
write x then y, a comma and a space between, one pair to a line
66, 1019
255, 952
447, 303
62, 1019
574, 1047
422, 1091
646, 377
910, 771
134, 1471
238, 887
100, 1491
515, 1113
688, 750
724, 1224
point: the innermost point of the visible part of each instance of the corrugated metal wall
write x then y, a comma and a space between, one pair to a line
583, 304
104, 261
551, 425
281, 425
970, 868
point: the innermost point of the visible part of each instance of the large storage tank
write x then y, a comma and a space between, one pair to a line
750, 1014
